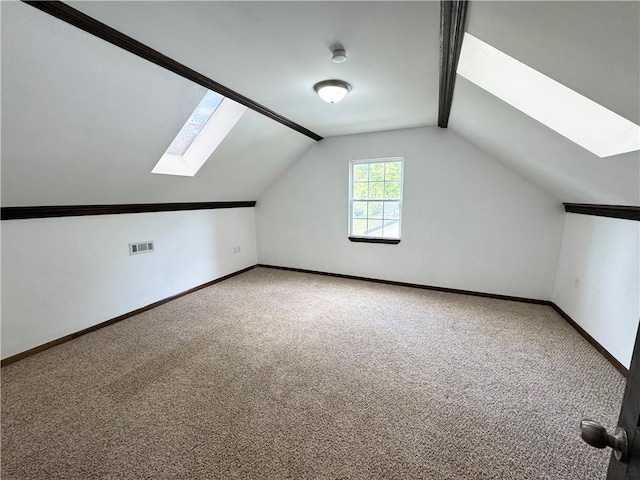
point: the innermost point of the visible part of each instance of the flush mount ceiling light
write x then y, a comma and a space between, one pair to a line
332, 91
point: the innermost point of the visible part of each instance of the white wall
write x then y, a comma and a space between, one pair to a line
468, 222
598, 280
61, 275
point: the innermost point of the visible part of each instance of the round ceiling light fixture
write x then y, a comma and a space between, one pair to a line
332, 91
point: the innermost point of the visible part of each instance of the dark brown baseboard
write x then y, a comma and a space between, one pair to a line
413, 285
621, 368
71, 336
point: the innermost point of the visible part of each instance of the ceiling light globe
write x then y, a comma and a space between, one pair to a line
332, 91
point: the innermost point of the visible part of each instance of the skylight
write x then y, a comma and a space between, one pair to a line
570, 114
196, 121
206, 128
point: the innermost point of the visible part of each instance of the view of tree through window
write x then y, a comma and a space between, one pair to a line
376, 195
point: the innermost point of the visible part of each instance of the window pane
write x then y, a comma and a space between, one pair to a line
376, 190
359, 209
374, 228
391, 229
376, 172
392, 171
360, 190
391, 189
359, 227
375, 210
391, 210
361, 172
195, 123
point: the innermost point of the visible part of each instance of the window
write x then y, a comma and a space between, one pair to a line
205, 129
196, 121
375, 200
581, 120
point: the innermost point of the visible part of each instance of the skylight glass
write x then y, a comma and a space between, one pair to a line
192, 128
583, 121
206, 128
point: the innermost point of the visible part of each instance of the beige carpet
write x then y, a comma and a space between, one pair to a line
278, 375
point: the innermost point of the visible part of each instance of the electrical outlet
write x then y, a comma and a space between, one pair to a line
238, 248
576, 283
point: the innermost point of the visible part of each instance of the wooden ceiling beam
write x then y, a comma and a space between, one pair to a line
90, 25
453, 15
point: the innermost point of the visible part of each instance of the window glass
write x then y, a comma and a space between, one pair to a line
375, 199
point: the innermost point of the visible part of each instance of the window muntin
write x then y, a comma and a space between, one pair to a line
375, 198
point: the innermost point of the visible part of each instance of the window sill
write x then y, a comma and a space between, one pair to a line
388, 241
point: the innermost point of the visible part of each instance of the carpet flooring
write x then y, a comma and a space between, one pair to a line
281, 375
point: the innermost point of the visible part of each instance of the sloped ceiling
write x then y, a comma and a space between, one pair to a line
84, 122
274, 52
591, 47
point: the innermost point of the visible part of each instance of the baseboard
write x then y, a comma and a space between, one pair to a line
621, 368
414, 285
71, 336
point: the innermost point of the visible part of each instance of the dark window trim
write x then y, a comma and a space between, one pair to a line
20, 213
90, 25
388, 241
625, 212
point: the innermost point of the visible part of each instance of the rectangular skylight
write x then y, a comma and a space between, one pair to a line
572, 115
196, 121
206, 128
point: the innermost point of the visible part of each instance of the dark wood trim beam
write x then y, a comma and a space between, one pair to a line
624, 212
90, 25
453, 14
21, 213
66, 338
387, 241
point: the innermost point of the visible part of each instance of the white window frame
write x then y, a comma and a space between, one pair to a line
366, 238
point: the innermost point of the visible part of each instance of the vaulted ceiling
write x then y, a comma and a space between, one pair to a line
84, 122
592, 48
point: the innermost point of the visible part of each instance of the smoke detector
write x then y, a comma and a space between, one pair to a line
339, 56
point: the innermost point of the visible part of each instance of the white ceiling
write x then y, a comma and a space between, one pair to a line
84, 122
591, 47
274, 52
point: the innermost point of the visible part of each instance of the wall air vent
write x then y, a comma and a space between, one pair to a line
141, 247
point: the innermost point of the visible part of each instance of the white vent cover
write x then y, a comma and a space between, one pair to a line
141, 247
